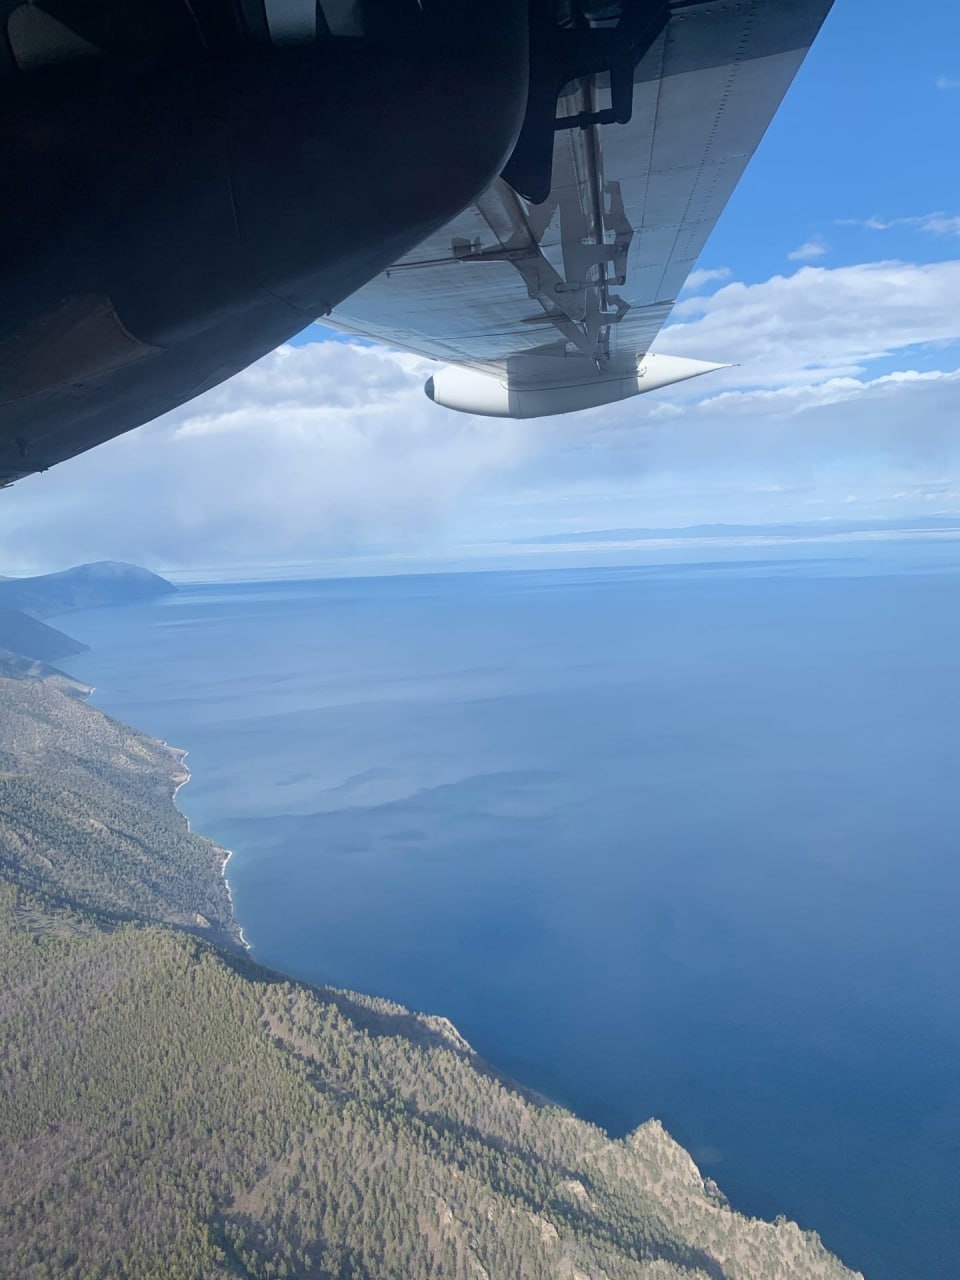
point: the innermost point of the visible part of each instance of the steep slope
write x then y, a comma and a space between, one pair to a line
14, 666
24, 635
85, 813
169, 1109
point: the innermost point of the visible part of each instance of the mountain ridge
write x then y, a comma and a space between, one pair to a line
22, 634
85, 586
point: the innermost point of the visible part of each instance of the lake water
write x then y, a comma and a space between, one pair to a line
677, 841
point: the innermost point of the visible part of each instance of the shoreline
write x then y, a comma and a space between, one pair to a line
228, 854
438, 1024
224, 854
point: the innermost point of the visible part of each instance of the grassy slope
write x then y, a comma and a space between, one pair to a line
167, 1109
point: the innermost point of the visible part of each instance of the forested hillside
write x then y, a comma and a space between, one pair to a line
169, 1110
85, 813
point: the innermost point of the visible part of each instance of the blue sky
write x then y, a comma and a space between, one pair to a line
833, 279
867, 130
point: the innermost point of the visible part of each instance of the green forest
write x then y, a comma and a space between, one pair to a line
169, 1109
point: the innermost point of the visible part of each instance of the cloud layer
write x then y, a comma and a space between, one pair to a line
936, 224
820, 323
847, 387
809, 251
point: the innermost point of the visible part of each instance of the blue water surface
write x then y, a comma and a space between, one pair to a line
676, 841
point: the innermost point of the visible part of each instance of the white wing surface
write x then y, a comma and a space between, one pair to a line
551, 307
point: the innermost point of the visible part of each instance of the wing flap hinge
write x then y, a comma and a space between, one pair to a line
561, 55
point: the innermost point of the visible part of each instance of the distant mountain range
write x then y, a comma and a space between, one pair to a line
799, 530
24, 601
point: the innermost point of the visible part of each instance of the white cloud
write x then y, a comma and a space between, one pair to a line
941, 224
937, 224
818, 323
706, 275
808, 251
908, 418
325, 450
326, 445
948, 82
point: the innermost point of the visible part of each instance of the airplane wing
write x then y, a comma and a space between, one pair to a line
188, 186
549, 307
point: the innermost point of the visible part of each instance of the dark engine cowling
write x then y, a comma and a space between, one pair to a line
186, 191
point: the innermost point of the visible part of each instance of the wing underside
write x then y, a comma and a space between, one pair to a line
572, 292
189, 185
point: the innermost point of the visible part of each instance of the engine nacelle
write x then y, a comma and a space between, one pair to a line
469, 391
185, 187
